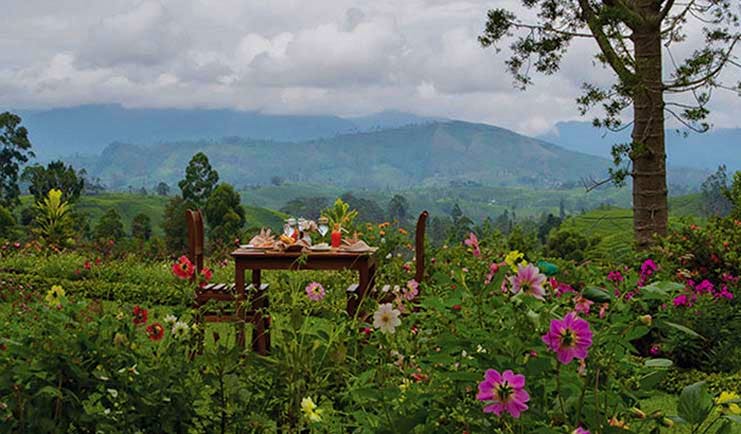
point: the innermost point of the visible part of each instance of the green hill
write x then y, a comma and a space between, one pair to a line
430, 154
614, 226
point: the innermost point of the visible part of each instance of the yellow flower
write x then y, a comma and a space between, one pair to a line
728, 400
54, 295
515, 258
310, 411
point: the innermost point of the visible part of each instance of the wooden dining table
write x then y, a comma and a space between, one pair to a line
257, 260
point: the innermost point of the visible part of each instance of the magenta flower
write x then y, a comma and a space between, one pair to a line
580, 430
725, 293
681, 300
705, 287
315, 291
411, 290
560, 287
569, 338
615, 276
473, 242
649, 267
504, 392
529, 280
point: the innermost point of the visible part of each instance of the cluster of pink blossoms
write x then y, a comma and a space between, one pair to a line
705, 287
473, 242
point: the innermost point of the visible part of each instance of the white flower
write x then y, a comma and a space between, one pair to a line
310, 411
386, 318
170, 319
180, 329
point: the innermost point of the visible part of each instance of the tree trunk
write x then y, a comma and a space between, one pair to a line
650, 209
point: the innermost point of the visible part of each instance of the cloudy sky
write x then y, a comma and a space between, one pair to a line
344, 57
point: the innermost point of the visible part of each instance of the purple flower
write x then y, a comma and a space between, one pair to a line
411, 290
504, 392
580, 430
705, 287
528, 280
569, 337
655, 350
315, 291
473, 242
648, 267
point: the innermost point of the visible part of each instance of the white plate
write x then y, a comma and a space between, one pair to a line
320, 248
251, 247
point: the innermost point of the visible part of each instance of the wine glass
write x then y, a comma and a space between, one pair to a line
323, 226
288, 227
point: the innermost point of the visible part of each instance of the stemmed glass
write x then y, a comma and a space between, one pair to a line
288, 227
323, 226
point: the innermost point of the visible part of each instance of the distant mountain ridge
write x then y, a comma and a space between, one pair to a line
89, 129
700, 151
435, 153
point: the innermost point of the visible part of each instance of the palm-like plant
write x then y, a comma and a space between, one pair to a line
340, 214
53, 222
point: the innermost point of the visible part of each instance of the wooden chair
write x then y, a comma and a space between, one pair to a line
219, 292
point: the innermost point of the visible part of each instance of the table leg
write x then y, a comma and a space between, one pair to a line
241, 301
260, 339
354, 300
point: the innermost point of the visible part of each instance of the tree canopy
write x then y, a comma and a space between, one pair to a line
56, 175
200, 180
15, 149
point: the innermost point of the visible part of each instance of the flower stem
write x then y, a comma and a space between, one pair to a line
558, 390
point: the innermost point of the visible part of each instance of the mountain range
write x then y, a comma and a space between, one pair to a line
433, 153
88, 129
696, 150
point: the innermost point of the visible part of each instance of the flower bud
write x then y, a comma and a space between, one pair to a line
637, 413
646, 320
667, 422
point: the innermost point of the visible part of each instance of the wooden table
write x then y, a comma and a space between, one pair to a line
257, 260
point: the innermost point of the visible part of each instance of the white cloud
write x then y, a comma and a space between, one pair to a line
346, 57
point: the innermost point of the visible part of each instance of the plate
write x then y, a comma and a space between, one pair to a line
251, 247
320, 248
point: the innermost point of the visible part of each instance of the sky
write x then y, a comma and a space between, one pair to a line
342, 57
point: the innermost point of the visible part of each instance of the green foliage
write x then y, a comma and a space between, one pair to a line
109, 226
200, 180
163, 189
141, 227
398, 209
340, 214
7, 223
56, 175
53, 222
568, 244
224, 213
714, 194
15, 149
308, 207
175, 226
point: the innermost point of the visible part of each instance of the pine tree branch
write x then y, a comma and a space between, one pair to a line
613, 59
684, 86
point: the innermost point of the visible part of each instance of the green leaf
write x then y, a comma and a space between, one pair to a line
733, 417
724, 428
695, 403
663, 287
637, 332
597, 295
658, 363
650, 380
684, 329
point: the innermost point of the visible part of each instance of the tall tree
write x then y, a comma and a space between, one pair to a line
224, 214
15, 149
200, 180
629, 35
174, 225
399, 209
56, 175
109, 226
715, 194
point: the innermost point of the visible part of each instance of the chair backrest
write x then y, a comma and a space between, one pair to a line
419, 246
194, 218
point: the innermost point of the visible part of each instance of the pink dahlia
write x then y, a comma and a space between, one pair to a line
569, 337
503, 392
529, 280
473, 242
315, 291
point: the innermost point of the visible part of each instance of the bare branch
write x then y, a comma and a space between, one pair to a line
617, 63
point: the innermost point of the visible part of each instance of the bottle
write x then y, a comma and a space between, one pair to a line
336, 236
